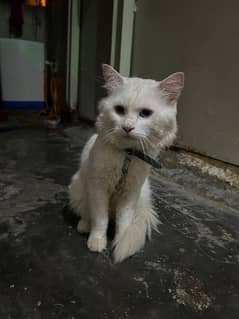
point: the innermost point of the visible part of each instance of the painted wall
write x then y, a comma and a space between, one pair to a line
201, 39
34, 27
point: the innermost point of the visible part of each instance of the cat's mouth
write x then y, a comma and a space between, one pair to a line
129, 140
122, 142
129, 137
121, 139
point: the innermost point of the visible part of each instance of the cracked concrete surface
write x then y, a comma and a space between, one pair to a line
189, 269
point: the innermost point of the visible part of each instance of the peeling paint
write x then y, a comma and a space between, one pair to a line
29, 193
190, 292
224, 174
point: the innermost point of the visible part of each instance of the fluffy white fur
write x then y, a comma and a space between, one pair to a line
94, 194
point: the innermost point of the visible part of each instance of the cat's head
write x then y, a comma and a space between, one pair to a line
139, 112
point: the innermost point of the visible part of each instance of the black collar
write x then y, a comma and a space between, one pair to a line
133, 152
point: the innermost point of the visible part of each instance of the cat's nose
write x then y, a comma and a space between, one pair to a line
127, 129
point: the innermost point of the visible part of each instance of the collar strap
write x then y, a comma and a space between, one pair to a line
149, 160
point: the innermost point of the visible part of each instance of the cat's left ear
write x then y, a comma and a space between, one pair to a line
113, 79
172, 86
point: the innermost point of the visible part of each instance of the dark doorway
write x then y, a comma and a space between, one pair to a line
95, 48
56, 44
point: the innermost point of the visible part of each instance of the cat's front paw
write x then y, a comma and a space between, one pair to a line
96, 243
83, 226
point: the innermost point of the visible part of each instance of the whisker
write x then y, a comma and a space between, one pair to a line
148, 142
107, 135
142, 145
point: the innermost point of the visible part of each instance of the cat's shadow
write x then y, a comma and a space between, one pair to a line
71, 219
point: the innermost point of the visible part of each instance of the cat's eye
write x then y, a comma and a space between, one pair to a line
145, 113
119, 109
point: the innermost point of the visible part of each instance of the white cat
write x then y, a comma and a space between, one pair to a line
138, 114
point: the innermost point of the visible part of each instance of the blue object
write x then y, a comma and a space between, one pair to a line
23, 104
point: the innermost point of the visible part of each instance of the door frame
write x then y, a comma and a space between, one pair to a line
127, 31
122, 31
73, 54
121, 44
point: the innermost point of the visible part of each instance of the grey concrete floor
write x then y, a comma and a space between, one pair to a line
189, 270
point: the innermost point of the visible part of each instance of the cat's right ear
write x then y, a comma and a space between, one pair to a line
113, 79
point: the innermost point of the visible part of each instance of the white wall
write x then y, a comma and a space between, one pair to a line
201, 39
21, 72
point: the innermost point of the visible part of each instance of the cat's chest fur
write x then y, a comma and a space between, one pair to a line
105, 165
